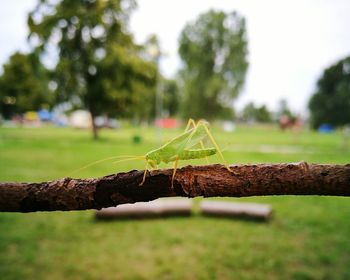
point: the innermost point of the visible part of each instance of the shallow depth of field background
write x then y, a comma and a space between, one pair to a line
254, 66
307, 237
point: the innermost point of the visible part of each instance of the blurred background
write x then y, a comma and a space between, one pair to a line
89, 79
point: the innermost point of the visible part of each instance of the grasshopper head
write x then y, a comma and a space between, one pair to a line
153, 158
152, 163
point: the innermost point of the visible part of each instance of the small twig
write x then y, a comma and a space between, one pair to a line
190, 181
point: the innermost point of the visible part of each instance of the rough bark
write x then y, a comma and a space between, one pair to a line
190, 181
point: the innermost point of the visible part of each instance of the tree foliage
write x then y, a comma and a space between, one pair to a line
256, 113
284, 110
214, 53
168, 89
171, 98
331, 102
98, 65
23, 85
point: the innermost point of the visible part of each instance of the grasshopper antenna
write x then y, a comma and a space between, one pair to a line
99, 161
131, 158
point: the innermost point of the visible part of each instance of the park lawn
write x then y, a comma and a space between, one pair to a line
307, 238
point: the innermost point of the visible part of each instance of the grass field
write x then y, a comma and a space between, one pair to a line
307, 238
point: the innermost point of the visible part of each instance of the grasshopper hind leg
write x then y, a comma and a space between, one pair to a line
217, 148
192, 123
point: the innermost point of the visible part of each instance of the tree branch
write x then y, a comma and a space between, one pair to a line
190, 181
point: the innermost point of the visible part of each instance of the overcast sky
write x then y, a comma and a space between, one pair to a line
290, 42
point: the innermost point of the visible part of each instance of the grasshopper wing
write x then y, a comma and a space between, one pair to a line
187, 139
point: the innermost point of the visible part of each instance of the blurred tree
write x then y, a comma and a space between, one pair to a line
171, 97
23, 85
214, 52
331, 102
258, 114
168, 91
145, 108
283, 110
98, 65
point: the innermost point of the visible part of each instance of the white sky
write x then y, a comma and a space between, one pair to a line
290, 42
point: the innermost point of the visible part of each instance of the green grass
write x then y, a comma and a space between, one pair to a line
307, 238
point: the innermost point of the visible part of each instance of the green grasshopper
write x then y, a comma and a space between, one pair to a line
179, 148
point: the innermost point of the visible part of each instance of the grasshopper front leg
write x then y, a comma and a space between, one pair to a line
144, 174
174, 172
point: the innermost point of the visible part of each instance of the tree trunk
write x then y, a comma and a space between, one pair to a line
93, 125
207, 181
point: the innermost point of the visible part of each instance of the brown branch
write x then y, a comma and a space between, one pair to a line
190, 181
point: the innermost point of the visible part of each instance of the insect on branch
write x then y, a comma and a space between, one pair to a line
190, 181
